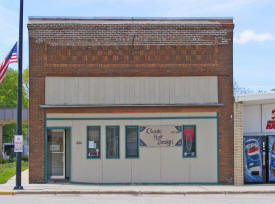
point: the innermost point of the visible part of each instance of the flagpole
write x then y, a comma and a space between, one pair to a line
19, 98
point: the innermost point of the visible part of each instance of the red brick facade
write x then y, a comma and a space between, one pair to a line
71, 47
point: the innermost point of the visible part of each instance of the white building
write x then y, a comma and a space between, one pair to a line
254, 139
259, 113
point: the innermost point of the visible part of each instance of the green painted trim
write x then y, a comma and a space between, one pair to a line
70, 150
118, 156
155, 184
218, 159
137, 118
65, 150
87, 157
132, 157
195, 134
46, 148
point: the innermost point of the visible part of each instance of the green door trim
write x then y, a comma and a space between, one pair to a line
46, 149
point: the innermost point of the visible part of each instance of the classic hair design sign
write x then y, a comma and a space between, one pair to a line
160, 136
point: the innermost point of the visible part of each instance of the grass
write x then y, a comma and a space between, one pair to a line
8, 170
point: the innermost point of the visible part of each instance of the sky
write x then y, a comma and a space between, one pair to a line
254, 32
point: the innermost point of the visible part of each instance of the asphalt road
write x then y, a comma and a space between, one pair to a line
144, 199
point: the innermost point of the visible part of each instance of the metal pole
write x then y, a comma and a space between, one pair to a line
19, 98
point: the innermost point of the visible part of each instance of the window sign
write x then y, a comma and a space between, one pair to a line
160, 136
18, 143
55, 148
93, 142
189, 141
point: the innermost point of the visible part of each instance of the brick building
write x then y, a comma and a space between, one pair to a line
132, 100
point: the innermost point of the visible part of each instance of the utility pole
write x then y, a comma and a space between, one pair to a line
19, 98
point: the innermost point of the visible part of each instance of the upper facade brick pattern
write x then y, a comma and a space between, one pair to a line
127, 32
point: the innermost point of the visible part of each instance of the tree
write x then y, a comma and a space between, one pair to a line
9, 131
272, 90
8, 99
8, 91
240, 90
26, 81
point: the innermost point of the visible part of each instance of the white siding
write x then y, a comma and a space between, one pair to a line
252, 119
130, 90
256, 117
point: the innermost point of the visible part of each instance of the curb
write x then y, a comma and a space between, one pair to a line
7, 192
131, 192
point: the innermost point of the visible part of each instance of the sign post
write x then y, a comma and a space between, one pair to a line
18, 143
19, 99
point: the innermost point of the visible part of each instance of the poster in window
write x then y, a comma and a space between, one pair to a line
93, 142
92, 145
253, 159
271, 152
189, 141
160, 136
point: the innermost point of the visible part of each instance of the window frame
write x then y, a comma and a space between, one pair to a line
106, 146
195, 139
132, 157
87, 139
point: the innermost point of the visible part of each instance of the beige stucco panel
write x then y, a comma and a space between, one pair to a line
59, 123
146, 169
154, 164
116, 171
174, 168
203, 168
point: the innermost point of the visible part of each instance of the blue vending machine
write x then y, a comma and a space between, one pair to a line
271, 158
253, 168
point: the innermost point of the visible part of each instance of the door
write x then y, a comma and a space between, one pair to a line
56, 153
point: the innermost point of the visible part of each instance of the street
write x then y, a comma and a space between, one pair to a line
139, 198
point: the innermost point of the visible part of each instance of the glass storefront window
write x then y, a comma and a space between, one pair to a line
112, 142
131, 138
93, 142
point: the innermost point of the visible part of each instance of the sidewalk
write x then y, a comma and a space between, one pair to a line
131, 189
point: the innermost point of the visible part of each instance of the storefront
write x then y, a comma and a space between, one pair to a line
131, 101
258, 137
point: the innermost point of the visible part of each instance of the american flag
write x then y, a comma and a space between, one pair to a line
11, 58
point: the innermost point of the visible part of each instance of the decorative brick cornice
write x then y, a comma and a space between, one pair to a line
134, 33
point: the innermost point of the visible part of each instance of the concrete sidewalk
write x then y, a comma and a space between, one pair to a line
131, 189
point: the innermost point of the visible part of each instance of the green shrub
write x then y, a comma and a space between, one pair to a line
25, 158
13, 159
3, 161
